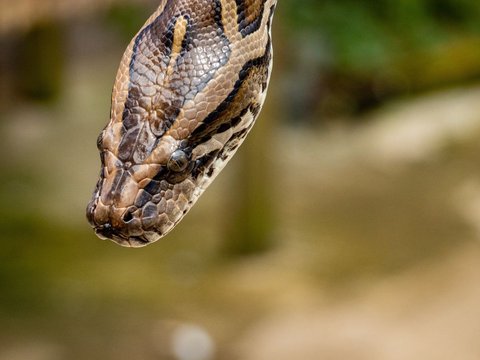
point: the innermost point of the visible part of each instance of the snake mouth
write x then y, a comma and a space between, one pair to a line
107, 232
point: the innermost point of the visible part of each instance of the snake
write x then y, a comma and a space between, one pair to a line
188, 90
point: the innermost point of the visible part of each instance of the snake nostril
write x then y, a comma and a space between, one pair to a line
128, 216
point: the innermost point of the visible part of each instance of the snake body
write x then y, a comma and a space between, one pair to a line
188, 90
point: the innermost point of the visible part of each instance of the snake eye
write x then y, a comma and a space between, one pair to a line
178, 161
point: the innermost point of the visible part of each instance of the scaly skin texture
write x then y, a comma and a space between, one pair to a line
188, 90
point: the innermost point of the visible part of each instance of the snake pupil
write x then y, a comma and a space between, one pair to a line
178, 161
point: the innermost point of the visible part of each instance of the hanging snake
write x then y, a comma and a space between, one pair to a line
187, 92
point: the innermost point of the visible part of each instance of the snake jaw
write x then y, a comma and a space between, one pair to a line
133, 241
106, 232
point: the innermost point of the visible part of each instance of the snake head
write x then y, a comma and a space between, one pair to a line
187, 92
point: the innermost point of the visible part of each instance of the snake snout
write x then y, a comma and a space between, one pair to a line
123, 227
131, 226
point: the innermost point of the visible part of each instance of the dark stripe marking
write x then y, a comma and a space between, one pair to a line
208, 125
244, 25
204, 162
218, 15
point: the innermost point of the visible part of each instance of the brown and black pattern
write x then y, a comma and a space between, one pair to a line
249, 15
188, 90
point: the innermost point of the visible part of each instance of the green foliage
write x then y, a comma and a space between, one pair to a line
349, 56
363, 35
40, 64
127, 18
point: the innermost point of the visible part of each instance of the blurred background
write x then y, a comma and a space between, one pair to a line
346, 227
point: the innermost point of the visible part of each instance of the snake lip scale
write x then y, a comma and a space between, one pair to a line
188, 90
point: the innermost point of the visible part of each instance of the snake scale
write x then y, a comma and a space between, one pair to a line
187, 92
